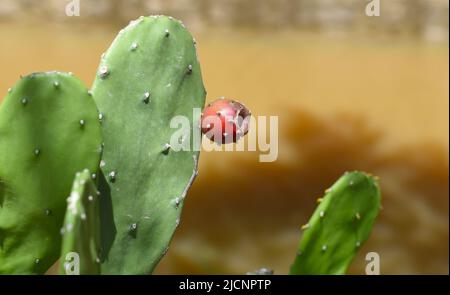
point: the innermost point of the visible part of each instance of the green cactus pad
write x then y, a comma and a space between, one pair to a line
340, 225
149, 75
49, 130
81, 229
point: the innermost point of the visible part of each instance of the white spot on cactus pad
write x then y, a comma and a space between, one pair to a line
133, 226
112, 176
134, 46
177, 202
146, 98
166, 148
69, 227
104, 72
72, 201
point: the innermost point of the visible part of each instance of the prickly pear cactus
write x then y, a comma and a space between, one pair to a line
149, 75
81, 229
340, 225
49, 130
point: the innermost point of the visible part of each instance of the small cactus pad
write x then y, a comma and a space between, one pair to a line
340, 225
149, 75
42, 146
81, 229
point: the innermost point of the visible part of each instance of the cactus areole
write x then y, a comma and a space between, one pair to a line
225, 121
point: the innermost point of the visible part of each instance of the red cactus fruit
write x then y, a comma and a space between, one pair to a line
225, 121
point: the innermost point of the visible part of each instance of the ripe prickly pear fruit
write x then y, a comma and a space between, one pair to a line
225, 121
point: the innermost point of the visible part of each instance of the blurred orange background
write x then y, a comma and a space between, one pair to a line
352, 92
